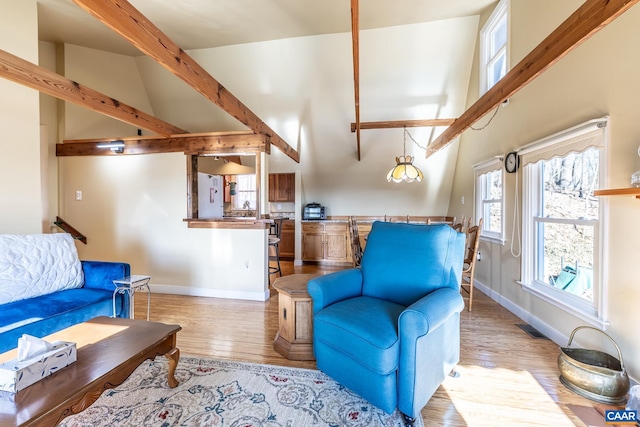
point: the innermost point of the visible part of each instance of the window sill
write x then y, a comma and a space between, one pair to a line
496, 240
587, 314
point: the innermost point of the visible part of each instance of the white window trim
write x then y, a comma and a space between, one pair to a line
480, 169
236, 200
594, 313
501, 9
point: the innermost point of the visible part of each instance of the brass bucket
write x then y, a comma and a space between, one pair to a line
594, 374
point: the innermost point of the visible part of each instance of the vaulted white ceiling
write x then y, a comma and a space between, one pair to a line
290, 62
195, 24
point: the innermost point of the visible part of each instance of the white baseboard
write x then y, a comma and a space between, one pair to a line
541, 326
212, 293
557, 337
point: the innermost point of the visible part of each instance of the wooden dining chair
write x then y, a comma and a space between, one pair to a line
471, 255
441, 220
274, 248
459, 226
356, 248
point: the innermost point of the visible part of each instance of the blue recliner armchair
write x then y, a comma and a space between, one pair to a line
390, 330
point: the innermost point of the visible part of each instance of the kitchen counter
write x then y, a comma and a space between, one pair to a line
325, 220
232, 222
361, 219
330, 219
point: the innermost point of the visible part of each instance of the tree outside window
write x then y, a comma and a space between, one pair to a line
489, 199
566, 227
492, 201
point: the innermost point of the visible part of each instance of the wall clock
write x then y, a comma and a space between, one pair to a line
511, 162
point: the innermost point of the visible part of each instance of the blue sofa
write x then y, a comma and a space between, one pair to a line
47, 310
390, 330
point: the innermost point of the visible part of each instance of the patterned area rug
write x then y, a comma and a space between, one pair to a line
234, 394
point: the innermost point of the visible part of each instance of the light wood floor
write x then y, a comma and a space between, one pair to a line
507, 377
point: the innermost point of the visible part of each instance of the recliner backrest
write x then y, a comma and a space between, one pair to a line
403, 262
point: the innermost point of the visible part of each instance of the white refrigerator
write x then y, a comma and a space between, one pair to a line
210, 196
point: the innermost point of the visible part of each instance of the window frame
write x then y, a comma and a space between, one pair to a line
486, 60
593, 312
237, 204
480, 171
192, 160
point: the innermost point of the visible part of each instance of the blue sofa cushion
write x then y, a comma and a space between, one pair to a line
43, 315
368, 325
414, 254
101, 274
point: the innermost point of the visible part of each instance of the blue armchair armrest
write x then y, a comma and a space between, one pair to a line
330, 288
429, 332
101, 274
429, 312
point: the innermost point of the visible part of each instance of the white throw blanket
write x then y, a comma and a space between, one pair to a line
37, 264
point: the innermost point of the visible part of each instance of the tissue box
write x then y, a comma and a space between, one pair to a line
14, 375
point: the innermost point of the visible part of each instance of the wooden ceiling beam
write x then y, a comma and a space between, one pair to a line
588, 19
200, 143
126, 20
403, 124
255, 143
355, 42
41, 79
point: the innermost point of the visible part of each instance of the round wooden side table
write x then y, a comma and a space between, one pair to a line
294, 339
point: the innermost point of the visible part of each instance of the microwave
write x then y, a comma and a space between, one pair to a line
314, 211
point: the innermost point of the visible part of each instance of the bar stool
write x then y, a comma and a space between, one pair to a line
274, 242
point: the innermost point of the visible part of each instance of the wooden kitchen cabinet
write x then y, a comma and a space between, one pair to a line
312, 241
287, 240
336, 238
326, 242
282, 187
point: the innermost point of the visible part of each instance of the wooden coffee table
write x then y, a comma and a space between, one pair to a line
109, 350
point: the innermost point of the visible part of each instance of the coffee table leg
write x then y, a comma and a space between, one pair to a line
174, 356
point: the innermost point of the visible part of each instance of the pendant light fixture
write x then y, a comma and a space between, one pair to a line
404, 169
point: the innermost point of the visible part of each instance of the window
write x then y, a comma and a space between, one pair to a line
561, 253
494, 38
243, 174
489, 199
245, 197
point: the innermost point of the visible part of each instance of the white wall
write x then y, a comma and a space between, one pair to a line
598, 78
49, 134
111, 74
21, 204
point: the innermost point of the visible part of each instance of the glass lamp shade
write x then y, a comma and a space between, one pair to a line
404, 171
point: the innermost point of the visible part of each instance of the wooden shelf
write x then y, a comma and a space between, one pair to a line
618, 192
